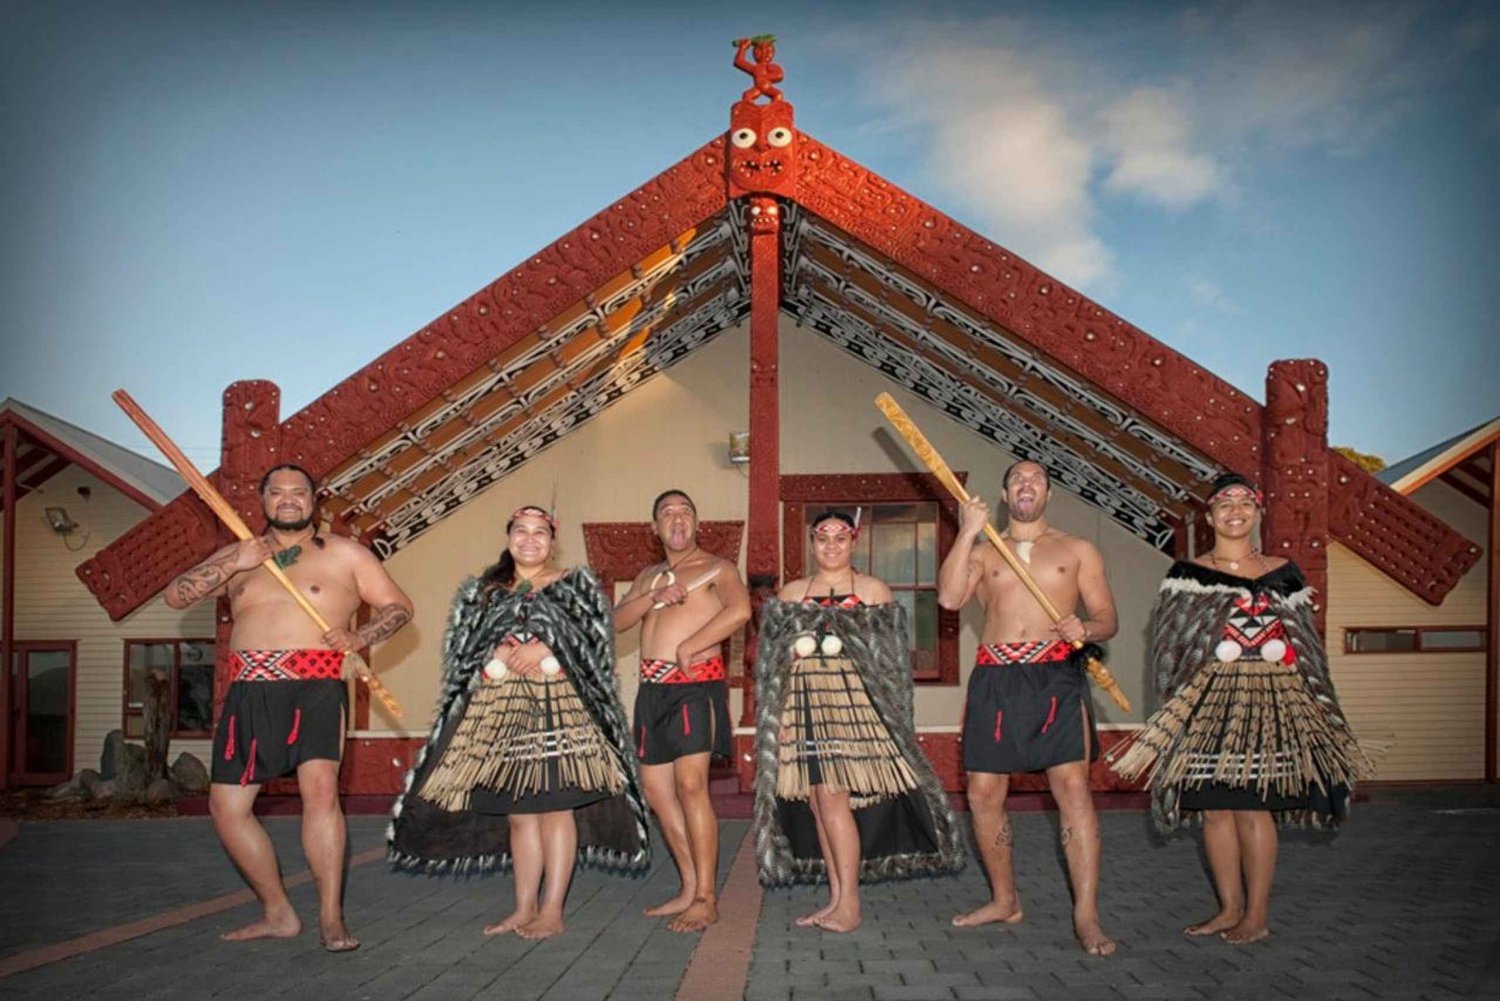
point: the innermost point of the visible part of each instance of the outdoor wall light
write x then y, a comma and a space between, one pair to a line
739, 447
59, 522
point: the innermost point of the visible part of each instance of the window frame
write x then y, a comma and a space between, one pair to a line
127, 712
800, 491
1351, 631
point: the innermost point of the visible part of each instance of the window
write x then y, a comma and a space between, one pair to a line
188, 666
907, 524
1415, 639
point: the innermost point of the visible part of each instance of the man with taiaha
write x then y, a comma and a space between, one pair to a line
1249, 732
1028, 698
527, 767
687, 606
287, 705
843, 791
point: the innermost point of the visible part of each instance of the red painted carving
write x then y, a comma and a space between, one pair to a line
1162, 385
1295, 474
800, 490
406, 378
762, 137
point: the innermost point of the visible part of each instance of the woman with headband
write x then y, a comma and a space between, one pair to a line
526, 766
843, 791
1249, 732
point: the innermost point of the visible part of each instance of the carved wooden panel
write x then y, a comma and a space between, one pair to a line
1295, 473
618, 550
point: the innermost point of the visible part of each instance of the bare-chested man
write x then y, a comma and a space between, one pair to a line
682, 705
285, 711
1028, 702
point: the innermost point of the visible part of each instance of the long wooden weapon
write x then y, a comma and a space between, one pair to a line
919, 444
231, 519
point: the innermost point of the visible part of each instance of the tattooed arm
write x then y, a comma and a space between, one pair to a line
208, 577
393, 609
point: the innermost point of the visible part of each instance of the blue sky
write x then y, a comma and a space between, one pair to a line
198, 193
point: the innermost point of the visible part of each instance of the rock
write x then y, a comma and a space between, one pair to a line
190, 775
111, 752
159, 791
87, 781
105, 789
130, 769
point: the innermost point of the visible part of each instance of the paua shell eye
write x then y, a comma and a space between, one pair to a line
742, 138
779, 136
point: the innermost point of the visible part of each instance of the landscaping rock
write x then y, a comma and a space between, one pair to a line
159, 791
112, 742
130, 769
190, 775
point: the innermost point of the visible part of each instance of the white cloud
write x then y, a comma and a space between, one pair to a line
1207, 293
1148, 135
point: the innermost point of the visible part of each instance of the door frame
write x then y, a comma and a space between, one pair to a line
17, 680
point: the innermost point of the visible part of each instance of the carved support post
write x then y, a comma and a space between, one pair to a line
763, 554
250, 444
1295, 472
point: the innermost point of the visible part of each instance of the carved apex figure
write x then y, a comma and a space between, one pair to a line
761, 136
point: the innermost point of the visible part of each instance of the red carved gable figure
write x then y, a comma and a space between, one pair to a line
761, 136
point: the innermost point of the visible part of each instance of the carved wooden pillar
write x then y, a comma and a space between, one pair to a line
250, 444
760, 166
1295, 474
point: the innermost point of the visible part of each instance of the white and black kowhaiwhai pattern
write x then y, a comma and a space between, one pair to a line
875, 640
574, 618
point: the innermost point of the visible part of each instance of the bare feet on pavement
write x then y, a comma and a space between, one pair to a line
1246, 932
808, 920
510, 924
676, 905
1221, 921
1009, 913
698, 916
336, 937
840, 919
1092, 938
281, 924
545, 926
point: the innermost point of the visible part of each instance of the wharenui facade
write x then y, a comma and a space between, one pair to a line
768, 283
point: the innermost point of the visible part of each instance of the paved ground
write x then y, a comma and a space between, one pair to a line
1402, 904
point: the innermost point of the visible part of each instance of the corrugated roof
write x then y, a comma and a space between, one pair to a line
159, 482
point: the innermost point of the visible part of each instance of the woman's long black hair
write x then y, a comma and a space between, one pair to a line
502, 573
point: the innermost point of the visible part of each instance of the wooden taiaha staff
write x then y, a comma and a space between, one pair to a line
232, 520
919, 444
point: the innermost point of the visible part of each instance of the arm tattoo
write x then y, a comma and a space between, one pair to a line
386, 621
1003, 836
199, 582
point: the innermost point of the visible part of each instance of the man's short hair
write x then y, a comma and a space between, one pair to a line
1005, 480
265, 481
656, 504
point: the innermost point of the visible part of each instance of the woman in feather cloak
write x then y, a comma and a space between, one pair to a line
1249, 732
843, 791
526, 766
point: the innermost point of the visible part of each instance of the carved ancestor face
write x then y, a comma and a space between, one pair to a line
761, 138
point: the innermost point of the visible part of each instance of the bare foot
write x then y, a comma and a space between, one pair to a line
336, 938
808, 920
1219, 922
510, 924
284, 924
545, 926
698, 916
841, 919
1093, 939
991, 912
1245, 932
676, 905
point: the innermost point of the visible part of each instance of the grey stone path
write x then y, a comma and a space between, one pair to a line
1402, 904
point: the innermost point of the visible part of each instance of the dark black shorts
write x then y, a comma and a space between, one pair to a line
1027, 718
268, 728
673, 721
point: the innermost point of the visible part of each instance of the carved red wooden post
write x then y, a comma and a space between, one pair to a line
1295, 474
759, 166
250, 444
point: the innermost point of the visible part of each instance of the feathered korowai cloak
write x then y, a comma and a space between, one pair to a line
574, 619
1236, 718
906, 835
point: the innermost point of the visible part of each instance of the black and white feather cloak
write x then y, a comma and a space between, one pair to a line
875, 641
573, 617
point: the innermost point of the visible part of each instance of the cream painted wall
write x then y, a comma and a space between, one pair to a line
673, 432
53, 604
1429, 708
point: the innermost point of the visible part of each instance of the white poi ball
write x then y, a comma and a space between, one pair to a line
805, 645
1228, 651
831, 645
1272, 651
495, 669
551, 666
